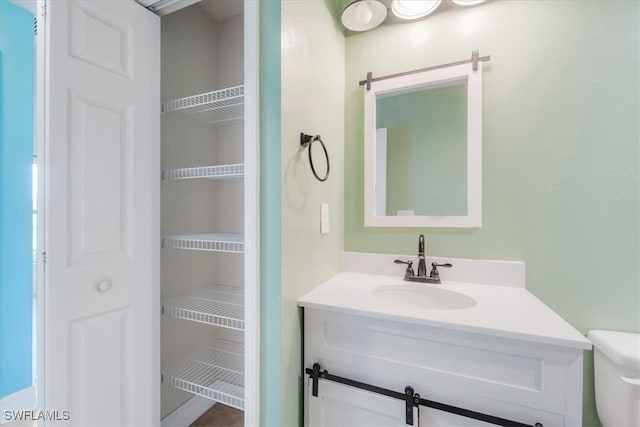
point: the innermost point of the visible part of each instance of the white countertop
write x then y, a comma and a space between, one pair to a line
500, 311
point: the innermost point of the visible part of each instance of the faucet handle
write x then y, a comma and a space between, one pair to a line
409, 270
436, 265
434, 269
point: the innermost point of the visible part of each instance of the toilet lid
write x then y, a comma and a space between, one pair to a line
621, 347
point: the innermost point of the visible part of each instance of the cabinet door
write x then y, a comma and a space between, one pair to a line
338, 405
102, 162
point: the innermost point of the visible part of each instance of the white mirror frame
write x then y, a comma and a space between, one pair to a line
425, 79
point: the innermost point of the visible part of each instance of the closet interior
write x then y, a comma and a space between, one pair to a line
202, 197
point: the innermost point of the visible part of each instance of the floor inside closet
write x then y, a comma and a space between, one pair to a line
220, 415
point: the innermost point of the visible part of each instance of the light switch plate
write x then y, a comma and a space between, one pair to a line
324, 218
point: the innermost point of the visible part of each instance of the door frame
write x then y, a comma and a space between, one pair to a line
252, 213
42, 201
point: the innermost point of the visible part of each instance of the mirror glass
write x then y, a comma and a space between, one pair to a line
423, 149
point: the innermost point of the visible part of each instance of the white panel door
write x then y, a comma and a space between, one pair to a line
338, 405
102, 129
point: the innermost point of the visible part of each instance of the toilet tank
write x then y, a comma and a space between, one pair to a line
617, 377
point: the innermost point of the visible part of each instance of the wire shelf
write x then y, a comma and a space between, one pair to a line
213, 242
212, 373
224, 172
217, 305
225, 106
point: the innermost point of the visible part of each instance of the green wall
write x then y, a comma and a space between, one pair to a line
270, 414
312, 92
560, 149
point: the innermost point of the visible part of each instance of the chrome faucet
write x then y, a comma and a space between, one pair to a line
434, 275
422, 267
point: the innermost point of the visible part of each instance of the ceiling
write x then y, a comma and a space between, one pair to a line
220, 10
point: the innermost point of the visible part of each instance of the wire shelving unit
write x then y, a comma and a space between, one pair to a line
221, 172
216, 305
216, 373
212, 242
220, 107
212, 373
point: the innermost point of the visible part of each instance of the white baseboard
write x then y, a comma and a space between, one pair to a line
188, 412
23, 400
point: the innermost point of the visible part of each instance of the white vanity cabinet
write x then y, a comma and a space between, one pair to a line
524, 381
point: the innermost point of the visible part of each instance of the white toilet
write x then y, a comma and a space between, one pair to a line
617, 377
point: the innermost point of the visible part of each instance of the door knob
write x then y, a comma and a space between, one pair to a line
104, 286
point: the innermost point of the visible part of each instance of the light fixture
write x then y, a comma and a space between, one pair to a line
468, 2
363, 15
414, 9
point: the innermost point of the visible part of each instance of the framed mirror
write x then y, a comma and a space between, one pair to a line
423, 149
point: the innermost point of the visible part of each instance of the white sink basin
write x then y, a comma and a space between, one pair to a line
422, 296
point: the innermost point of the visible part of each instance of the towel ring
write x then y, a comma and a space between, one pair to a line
308, 140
